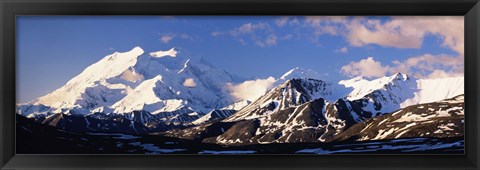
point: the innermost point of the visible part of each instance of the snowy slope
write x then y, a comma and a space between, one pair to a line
134, 81
237, 105
362, 87
151, 95
435, 90
90, 87
438, 119
193, 81
388, 94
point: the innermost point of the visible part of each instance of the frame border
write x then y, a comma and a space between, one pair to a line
11, 8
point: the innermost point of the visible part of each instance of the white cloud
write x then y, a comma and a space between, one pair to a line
366, 67
249, 28
429, 62
242, 41
282, 21
374, 32
257, 42
326, 24
185, 36
251, 89
271, 40
317, 21
409, 32
189, 82
431, 66
342, 50
217, 33
159, 54
397, 32
261, 34
423, 66
131, 75
449, 28
437, 74
287, 37
167, 38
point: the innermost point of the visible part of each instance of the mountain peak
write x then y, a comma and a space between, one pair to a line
362, 87
292, 93
359, 80
299, 72
133, 53
399, 76
138, 50
109, 67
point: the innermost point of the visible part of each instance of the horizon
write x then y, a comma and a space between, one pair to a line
371, 47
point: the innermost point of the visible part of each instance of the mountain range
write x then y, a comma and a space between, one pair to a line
165, 93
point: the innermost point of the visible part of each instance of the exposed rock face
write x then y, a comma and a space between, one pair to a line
295, 111
132, 123
434, 120
201, 132
320, 121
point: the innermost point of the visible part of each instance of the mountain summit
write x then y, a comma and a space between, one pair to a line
92, 84
134, 81
298, 72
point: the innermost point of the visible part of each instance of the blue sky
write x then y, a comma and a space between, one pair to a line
53, 49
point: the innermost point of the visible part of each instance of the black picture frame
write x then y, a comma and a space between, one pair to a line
11, 8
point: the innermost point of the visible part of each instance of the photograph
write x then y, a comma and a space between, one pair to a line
235, 85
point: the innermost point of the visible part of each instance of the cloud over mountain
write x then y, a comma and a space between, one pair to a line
251, 89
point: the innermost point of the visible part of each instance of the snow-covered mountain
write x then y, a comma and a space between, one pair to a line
162, 91
134, 81
379, 96
93, 86
391, 93
296, 111
435, 90
293, 92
